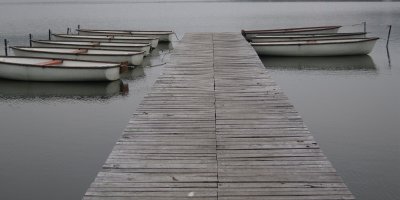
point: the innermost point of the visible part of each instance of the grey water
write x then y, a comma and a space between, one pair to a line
55, 137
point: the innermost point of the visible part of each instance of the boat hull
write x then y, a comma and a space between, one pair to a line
249, 35
330, 49
161, 37
272, 38
303, 30
153, 42
146, 49
130, 59
29, 72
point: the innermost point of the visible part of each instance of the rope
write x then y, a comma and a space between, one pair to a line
177, 37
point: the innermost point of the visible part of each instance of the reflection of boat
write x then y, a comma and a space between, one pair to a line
48, 69
133, 74
24, 89
163, 47
360, 62
271, 38
328, 47
98, 38
163, 36
126, 57
301, 30
96, 45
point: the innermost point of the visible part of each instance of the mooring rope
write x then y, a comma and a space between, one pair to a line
177, 37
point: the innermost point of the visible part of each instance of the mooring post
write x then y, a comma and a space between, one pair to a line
5, 47
388, 37
68, 31
365, 26
49, 34
30, 40
79, 27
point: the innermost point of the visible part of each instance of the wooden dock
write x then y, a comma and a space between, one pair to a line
216, 126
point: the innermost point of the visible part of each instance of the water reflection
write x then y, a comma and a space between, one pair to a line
357, 63
158, 56
132, 74
10, 89
388, 56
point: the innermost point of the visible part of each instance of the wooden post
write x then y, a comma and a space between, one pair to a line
79, 27
49, 34
30, 40
388, 37
365, 26
388, 56
68, 31
5, 47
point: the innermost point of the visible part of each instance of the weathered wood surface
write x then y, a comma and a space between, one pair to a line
216, 126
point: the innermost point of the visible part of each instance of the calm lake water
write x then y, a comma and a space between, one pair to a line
55, 137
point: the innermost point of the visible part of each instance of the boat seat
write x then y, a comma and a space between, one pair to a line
50, 63
79, 51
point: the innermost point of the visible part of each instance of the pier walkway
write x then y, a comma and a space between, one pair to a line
216, 126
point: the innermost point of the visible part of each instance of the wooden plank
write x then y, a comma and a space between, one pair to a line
168, 149
216, 126
264, 149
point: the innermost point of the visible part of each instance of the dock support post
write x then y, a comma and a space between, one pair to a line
365, 26
388, 37
6, 47
30, 40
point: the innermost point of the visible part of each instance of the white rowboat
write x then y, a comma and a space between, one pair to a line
285, 37
163, 36
47, 69
332, 47
98, 38
96, 45
125, 57
301, 30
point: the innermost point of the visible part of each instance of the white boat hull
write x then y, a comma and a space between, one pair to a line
161, 37
130, 59
301, 30
272, 38
333, 49
249, 35
146, 49
153, 42
28, 72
